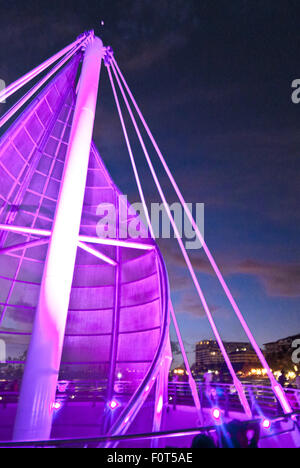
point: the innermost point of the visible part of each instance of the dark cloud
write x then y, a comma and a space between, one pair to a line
278, 279
190, 303
155, 52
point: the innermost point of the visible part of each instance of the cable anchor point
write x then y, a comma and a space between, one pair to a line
108, 56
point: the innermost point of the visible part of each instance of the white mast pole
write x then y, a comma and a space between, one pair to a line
35, 408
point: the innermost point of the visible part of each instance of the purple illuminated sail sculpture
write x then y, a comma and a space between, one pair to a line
117, 321
75, 303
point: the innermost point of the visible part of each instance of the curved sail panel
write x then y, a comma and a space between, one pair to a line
32, 153
115, 318
117, 308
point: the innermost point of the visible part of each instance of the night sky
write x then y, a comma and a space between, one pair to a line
213, 79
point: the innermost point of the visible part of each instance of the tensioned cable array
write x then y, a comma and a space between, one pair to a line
71, 50
16, 85
237, 383
275, 385
149, 224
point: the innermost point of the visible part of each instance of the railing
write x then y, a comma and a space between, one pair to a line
224, 396
88, 442
81, 390
215, 395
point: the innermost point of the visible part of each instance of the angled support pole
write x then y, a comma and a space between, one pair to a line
37, 396
25, 230
37, 86
116, 242
24, 245
96, 253
16, 85
192, 383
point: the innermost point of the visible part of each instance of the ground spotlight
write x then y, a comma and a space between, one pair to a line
216, 414
113, 404
266, 423
56, 405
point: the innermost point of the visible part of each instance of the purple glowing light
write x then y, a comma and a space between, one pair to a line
62, 386
266, 423
159, 405
113, 404
216, 413
56, 405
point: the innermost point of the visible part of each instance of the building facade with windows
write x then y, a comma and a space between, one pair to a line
209, 357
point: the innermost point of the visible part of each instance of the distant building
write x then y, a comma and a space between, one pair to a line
281, 349
243, 357
208, 355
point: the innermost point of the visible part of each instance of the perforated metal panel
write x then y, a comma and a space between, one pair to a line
115, 317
